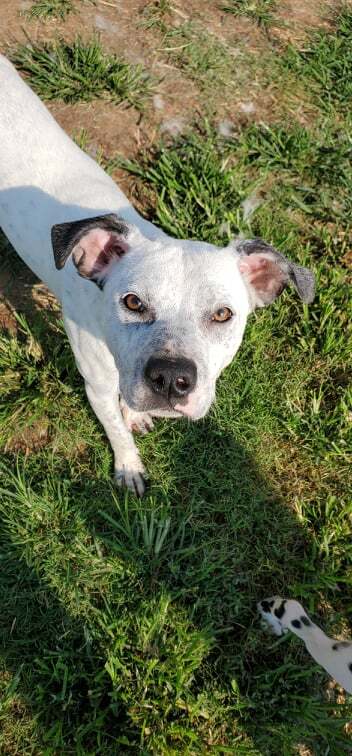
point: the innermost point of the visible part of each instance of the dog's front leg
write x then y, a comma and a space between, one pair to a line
129, 469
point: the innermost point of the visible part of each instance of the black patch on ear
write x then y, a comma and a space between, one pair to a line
302, 278
280, 611
296, 623
340, 644
304, 282
305, 621
65, 236
350, 666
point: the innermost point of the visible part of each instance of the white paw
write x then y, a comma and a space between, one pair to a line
133, 477
137, 422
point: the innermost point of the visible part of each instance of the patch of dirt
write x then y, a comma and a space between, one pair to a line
110, 129
31, 439
298, 18
22, 292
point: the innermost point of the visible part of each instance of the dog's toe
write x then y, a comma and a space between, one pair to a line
143, 425
134, 480
137, 422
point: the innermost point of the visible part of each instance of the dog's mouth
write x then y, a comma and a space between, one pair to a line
189, 407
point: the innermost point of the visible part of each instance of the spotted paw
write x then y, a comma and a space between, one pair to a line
271, 611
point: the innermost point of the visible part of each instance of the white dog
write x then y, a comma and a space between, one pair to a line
152, 320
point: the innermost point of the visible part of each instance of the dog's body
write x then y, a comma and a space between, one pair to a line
165, 317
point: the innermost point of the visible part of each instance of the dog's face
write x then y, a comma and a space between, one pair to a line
175, 310
176, 315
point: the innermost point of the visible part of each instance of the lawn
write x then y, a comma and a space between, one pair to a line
129, 626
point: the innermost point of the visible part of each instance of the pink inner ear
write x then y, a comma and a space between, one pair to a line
264, 274
96, 251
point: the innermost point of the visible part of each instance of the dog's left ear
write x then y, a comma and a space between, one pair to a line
95, 244
266, 272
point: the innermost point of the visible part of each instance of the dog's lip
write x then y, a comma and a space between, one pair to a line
147, 406
182, 410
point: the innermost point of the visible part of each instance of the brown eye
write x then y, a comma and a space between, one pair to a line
132, 302
221, 315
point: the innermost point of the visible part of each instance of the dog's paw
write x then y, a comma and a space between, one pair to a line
271, 611
137, 422
132, 477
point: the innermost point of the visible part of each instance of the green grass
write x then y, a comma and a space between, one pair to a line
81, 71
130, 626
155, 14
47, 9
260, 11
205, 59
326, 64
53, 9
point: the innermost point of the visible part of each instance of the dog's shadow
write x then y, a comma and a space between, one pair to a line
223, 539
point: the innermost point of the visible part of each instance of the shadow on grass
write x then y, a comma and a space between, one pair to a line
131, 626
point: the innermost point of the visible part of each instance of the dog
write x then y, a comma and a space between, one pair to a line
152, 320
282, 615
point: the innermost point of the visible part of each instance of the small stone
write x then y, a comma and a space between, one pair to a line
104, 24
173, 126
247, 107
158, 102
226, 129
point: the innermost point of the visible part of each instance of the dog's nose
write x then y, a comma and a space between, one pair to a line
171, 377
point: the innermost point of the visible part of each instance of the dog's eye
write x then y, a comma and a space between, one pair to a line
132, 302
222, 314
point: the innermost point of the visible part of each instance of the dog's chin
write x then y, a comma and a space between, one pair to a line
192, 408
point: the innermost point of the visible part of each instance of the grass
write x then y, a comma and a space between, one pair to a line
260, 11
80, 72
155, 14
47, 9
203, 58
130, 626
52, 9
326, 64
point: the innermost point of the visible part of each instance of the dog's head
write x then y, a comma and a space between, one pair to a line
175, 310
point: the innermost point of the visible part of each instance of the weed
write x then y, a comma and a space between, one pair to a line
45, 9
154, 15
196, 192
81, 72
202, 57
326, 64
52, 9
260, 11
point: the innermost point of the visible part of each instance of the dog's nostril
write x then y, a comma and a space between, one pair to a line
159, 382
182, 384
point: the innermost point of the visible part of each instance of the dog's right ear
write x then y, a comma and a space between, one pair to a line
96, 244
